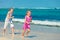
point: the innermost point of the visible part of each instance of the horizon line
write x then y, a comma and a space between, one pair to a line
34, 8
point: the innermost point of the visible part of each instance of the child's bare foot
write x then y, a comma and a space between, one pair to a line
22, 35
4, 32
26, 35
12, 34
27, 32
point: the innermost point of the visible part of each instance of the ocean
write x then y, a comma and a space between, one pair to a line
45, 24
39, 16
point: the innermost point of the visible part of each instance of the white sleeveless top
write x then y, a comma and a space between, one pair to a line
7, 17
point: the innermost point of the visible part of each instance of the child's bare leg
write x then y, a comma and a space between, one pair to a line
12, 30
23, 33
12, 33
27, 32
4, 31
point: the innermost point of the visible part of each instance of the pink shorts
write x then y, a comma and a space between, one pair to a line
26, 26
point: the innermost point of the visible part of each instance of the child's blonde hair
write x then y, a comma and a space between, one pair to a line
28, 11
10, 9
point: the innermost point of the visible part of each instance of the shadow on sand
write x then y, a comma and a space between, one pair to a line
15, 33
32, 36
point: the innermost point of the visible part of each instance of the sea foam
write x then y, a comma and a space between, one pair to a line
46, 22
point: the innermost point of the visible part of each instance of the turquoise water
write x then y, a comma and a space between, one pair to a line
37, 14
50, 15
40, 16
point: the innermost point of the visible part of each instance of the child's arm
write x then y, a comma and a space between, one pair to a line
31, 19
8, 15
26, 20
12, 17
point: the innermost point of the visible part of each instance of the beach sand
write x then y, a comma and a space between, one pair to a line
37, 33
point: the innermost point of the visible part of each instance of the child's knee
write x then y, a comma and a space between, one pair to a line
29, 30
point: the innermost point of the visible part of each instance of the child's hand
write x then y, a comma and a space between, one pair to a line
31, 21
12, 16
27, 22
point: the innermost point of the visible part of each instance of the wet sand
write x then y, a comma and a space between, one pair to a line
35, 34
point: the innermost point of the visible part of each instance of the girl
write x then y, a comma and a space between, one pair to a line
26, 25
8, 20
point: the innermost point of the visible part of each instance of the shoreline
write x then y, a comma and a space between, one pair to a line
37, 33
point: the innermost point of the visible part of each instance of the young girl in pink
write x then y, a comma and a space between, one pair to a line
26, 25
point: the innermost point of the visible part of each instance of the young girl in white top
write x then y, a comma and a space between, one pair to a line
8, 20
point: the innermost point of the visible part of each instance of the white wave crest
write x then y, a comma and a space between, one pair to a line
46, 22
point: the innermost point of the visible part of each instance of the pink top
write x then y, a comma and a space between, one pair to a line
27, 26
28, 19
